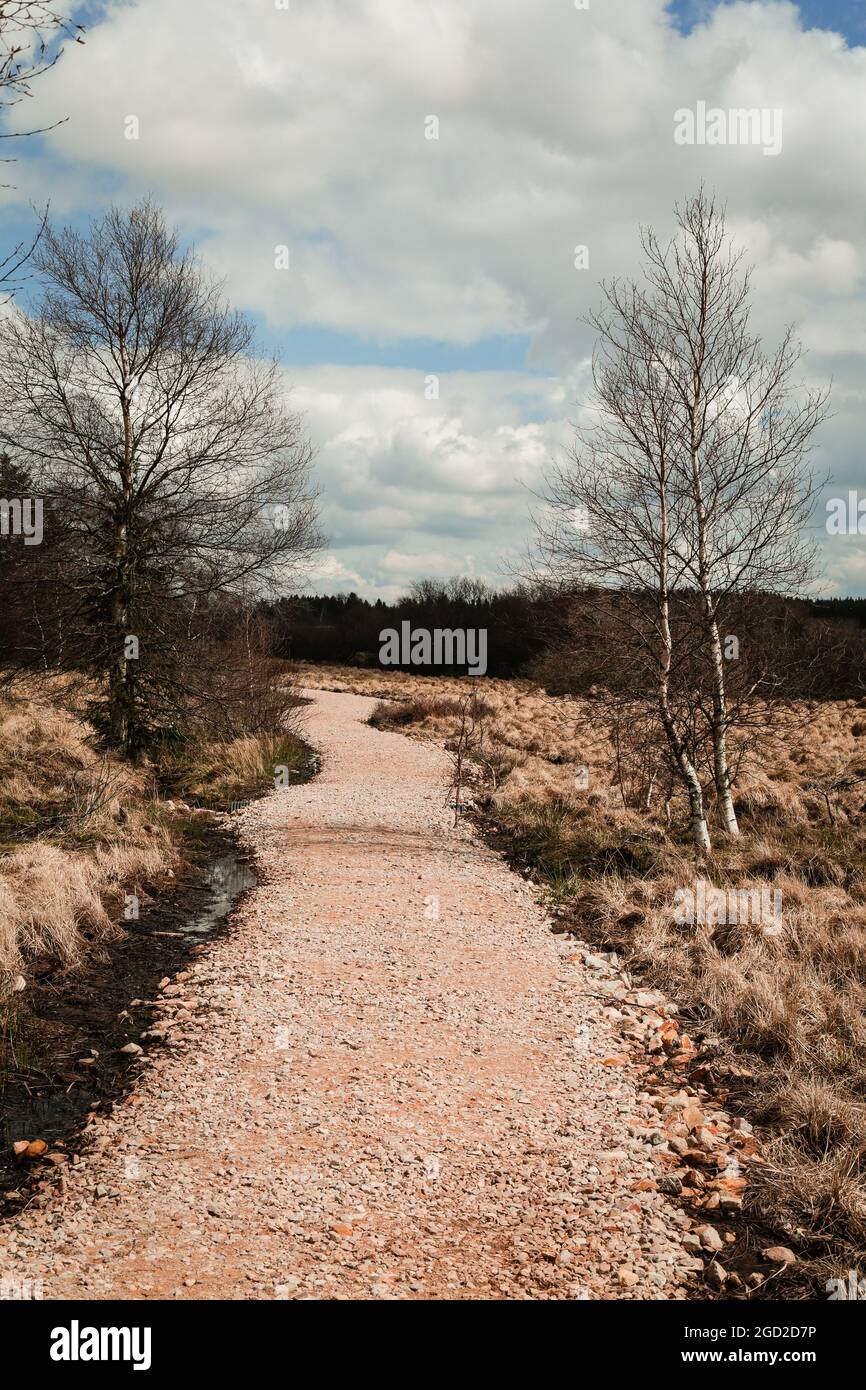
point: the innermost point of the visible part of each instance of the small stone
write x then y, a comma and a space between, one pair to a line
710, 1238
779, 1254
730, 1201
670, 1185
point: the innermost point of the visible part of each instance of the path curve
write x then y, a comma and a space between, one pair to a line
387, 1080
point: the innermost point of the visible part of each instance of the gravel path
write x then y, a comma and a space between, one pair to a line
388, 1080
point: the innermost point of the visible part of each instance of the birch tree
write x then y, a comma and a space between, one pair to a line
690, 480
615, 521
745, 429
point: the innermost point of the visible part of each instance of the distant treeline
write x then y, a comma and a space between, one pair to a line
345, 628
813, 647
849, 610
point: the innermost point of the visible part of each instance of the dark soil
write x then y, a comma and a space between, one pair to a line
64, 1018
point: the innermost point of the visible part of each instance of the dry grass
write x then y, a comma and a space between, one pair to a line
216, 774
79, 830
788, 1009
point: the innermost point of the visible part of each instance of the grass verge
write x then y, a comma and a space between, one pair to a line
79, 829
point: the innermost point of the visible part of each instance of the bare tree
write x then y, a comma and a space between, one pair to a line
689, 486
467, 747
135, 403
615, 522
744, 431
13, 263
27, 28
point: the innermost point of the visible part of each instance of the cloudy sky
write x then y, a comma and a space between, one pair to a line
428, 320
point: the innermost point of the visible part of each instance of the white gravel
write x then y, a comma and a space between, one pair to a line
386, 1081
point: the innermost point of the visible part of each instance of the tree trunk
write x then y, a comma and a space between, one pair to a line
719, 722
688, 772
120, 694
721, 773
697, 425
684, 764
